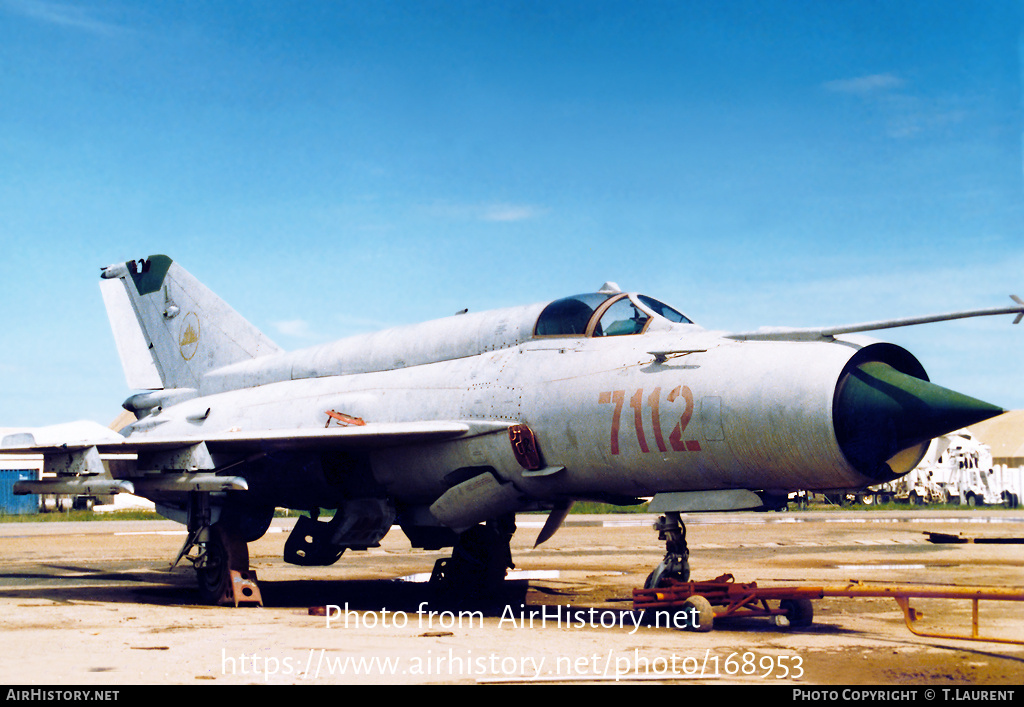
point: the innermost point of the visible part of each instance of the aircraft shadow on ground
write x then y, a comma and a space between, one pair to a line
156, 586
378, 594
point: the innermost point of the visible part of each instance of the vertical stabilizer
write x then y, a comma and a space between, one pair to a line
170, 329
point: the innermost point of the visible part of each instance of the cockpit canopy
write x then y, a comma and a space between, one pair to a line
603, 314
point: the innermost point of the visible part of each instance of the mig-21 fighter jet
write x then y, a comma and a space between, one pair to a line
449, 428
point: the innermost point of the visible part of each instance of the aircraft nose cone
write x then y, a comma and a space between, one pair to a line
880, 413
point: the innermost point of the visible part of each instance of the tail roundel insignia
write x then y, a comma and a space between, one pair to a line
188, 340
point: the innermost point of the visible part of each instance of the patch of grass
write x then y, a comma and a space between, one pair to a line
592, 507
66, 516
126, 514
580, 507
892, 506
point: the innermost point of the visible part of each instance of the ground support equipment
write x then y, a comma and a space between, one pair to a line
795, 608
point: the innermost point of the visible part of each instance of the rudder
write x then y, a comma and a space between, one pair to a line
170, 329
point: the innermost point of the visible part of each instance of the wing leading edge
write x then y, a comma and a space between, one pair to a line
47, 440
819, 333
187, 463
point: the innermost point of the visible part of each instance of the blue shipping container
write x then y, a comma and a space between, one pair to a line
17, 505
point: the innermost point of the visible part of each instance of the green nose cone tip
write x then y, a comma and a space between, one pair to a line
879, 412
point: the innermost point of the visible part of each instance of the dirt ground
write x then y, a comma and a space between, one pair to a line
94, 604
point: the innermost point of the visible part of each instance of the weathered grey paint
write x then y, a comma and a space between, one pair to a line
426, 409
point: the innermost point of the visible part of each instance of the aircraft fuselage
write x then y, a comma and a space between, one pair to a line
611, 419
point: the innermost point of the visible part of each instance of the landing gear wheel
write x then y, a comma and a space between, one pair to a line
799, 613
480, 557
212, 571
480, 560
219, 554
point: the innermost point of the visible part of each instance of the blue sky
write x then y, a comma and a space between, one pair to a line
331, 168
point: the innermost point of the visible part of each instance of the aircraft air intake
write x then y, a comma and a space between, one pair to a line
884, 418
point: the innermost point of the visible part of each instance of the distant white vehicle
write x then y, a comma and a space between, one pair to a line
957, 468
1012, 482
970, 471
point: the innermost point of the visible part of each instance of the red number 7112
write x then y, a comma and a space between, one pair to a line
653, 401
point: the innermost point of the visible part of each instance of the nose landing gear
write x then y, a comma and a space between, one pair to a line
676, 564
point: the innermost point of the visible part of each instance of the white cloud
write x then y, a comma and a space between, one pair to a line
905, 112
862, 85
498, 212
510, 212
74, 16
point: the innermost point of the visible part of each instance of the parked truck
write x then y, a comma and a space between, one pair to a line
957, 468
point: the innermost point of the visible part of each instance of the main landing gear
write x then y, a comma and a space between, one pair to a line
479, 563
221, 561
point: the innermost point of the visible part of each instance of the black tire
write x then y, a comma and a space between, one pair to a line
656, 578
799, 612
214, 576
476, 570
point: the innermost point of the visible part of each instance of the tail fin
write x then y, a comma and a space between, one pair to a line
170, 329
